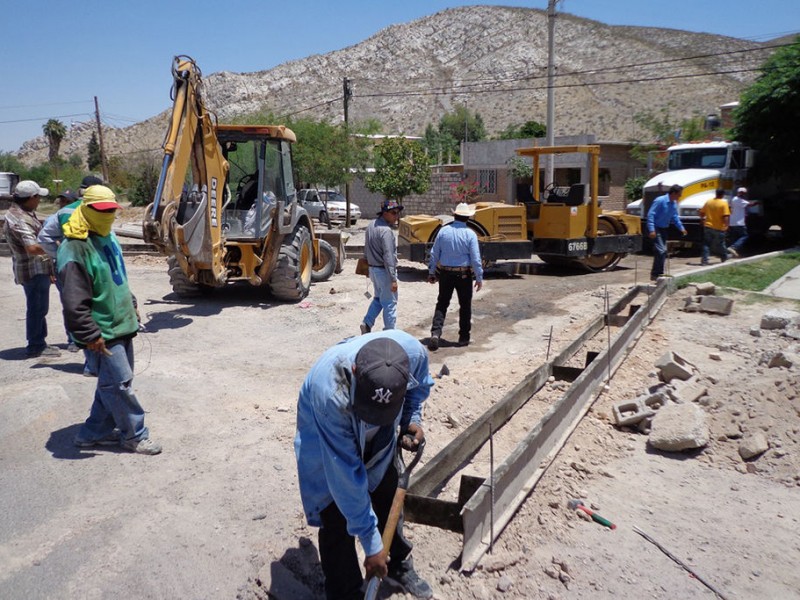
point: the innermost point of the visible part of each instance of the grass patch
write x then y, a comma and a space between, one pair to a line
753, 276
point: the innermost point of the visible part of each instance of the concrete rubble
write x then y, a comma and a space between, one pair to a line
679, 427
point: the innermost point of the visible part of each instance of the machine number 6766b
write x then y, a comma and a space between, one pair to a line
577, 246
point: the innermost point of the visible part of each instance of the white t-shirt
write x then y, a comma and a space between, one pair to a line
738, 206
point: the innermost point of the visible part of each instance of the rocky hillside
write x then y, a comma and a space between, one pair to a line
492, 58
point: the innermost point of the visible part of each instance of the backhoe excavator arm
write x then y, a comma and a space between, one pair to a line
184, 219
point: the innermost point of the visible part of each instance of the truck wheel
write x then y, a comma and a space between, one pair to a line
291, 278
179, 282
327, 259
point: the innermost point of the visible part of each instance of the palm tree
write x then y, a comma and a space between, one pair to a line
54, 131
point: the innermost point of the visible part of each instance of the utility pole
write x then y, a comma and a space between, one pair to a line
551, 101
103, 162
347, 93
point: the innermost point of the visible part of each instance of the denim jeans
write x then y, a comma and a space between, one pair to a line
115, 404
714, 242
384, 299
37, 298
659, 252
737, 237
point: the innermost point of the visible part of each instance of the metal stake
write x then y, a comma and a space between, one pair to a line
549, 341
608, 330
491, 486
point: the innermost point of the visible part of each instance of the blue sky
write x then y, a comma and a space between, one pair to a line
121, 51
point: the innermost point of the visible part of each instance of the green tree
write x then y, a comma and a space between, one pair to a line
454, 127
767, 116
634, 187
93, 158
54, 131
143, 182
529, 129
9, 163
401, 168
666, 132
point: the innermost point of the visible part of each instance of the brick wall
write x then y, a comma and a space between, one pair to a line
433, 202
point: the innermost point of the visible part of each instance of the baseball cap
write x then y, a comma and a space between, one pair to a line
28, 188
390, 205
381, 381
100, 197
69, 195
89, 181
741, 190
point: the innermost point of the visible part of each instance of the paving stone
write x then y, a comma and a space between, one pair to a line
718, 305
778, 318
679, 427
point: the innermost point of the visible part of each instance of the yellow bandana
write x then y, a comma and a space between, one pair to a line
85, 220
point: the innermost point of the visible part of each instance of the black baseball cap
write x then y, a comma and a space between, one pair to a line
381, 381
90, 180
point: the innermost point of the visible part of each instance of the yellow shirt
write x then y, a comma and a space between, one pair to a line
715, 212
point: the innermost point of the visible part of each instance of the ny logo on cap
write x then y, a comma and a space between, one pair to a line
382, 396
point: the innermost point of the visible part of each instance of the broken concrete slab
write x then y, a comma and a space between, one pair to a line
784, 359
705, 289
679, 427
671, 366
687, 391
718, 305
779, 318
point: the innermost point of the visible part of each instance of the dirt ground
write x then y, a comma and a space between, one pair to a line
218, 514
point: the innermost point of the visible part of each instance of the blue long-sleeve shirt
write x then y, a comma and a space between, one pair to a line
330, 440
662, 212
456, 245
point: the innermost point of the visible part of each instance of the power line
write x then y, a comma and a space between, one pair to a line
511, 78
47, 118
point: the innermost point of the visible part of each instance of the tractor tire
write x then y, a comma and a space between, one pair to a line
291, 278
327, 257
179, 282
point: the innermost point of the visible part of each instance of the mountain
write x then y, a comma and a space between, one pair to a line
494, 59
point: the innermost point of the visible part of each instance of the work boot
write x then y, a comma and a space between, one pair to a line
463, 340
433, 342
732, 251
365, 328
405, 576
145, 446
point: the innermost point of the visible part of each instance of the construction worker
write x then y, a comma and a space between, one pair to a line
716, 214
100, 315
380, 250
455, 261
33, 269
737, 226
354, 401
663, 213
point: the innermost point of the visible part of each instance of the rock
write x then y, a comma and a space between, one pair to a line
551, 571
755, 331
679, 427
715, 356
582, 515
784, 359
753, 445
778, 318
705, 289
504, 583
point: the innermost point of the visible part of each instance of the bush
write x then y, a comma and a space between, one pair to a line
634, 188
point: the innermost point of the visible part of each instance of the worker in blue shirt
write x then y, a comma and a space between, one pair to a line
353, 403
455, 260
662, 213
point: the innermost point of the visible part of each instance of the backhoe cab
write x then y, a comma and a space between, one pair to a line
226, 209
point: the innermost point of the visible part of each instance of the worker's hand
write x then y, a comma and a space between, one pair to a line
478, 286
376, 565
394, 286
652, 235
98, 345
412, 437
431, 278
683, 232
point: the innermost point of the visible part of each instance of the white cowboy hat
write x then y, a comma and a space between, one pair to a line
464, 210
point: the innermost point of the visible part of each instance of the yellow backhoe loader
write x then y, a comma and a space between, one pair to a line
225, 208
